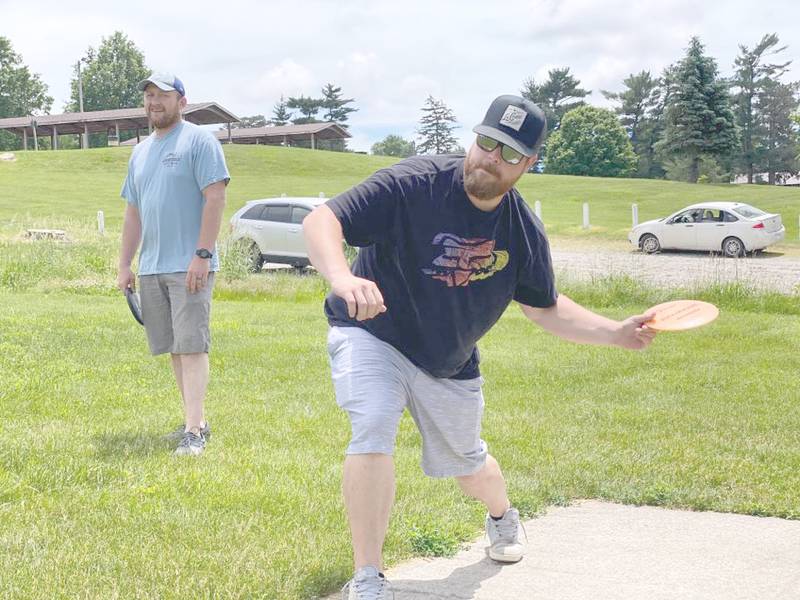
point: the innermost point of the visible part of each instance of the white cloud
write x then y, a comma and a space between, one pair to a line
388, 55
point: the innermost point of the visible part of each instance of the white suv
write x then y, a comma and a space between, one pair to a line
272, 230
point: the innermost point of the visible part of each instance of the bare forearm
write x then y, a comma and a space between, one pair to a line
323, 235
572, 322
212, 215
131, 236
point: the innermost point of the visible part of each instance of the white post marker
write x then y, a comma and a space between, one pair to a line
586, 215
635, 214
101, 222
322, 194
537, 208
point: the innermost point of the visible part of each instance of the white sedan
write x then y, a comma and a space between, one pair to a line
732, 228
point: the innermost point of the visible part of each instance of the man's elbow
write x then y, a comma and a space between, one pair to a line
540, 316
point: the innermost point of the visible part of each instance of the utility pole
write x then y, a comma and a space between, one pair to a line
84, 137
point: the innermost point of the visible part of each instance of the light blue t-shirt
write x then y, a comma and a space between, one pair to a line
165, 182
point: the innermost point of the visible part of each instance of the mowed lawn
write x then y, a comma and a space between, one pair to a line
92, 504
52, 188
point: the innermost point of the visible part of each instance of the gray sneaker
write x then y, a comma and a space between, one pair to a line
177, 435
191, 443
504, 537
367, 584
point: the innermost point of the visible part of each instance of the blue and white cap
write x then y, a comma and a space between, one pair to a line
164, 81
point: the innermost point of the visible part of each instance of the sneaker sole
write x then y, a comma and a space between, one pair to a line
505, 558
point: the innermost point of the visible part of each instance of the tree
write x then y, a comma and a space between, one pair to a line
110, 80
394, 145
308, 107
111, 76
22, 93
751, 76
250, 122
796, 120
559, 94
777, 102
280, 113
698, 119
639, 114
334, 104
436, 128
590, 141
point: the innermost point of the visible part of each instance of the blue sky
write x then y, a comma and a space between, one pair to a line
390, 56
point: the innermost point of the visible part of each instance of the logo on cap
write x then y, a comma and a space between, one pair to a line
514, 117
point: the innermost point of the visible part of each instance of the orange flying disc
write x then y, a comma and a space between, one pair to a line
681, 314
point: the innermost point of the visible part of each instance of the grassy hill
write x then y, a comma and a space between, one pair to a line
51, 187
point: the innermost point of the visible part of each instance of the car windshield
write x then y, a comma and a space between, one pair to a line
748, 212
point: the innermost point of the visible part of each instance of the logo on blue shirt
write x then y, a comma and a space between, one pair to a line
171, 159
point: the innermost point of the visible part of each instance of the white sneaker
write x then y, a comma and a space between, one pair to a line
504, 537
367, 584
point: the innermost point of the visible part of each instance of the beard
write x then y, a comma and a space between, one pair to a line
484, 182
164, 119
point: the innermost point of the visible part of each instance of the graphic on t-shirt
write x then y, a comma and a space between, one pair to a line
171, 159
465, 260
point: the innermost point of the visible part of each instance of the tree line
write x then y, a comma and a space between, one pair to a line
688, 123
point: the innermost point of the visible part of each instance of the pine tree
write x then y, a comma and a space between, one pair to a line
638, 113
334, 104
436, 128
777, 102
699, 119
280, 113
559, 94
308, 107
751, 78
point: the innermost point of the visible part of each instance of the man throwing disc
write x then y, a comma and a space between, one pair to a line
446, 244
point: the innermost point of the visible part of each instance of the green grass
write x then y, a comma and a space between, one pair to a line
52, 187
48, 188
92, 505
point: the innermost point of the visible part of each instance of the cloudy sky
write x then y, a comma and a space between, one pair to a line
390, 56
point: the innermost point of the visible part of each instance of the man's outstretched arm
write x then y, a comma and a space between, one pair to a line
571, 321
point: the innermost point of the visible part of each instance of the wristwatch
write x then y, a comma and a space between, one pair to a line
203, 253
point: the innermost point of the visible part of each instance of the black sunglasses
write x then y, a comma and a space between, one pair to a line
507, 153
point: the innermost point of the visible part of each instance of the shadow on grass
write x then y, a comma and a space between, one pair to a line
463, 582
134, 443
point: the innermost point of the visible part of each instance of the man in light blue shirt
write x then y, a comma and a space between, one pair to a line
175, 193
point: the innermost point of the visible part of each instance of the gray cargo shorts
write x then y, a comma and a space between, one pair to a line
175, 320
374, 383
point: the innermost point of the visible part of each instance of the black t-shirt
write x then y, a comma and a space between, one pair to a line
446, 269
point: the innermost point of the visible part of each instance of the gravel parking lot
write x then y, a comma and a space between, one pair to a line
764, 272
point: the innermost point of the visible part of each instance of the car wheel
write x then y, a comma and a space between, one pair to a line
649, 243
255, 260
732, 247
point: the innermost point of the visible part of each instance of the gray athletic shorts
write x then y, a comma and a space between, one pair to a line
175, 320
374, 382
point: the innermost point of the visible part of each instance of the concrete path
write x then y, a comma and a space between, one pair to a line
600, 551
